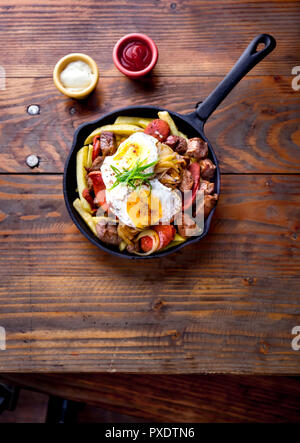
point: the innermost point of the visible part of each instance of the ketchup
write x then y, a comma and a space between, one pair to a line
135, 55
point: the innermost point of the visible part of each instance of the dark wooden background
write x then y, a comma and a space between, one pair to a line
161, 398
225, 305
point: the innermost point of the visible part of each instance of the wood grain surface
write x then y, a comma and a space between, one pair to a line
194, 36
225, 305
176, 398
217, 305
256, 129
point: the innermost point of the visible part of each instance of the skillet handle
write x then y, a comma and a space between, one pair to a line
247, 61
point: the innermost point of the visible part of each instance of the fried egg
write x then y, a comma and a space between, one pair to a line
138, 146
148, 207
142, 206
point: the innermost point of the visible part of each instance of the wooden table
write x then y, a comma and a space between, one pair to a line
225, 305
192, 398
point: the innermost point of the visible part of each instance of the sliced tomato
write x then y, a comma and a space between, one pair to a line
101, 200
86, 194
96, 147
99, 189
98, 183
146, 243
166, 233
194, 169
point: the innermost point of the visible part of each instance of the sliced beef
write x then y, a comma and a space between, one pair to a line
108, 144
133, 248
197, 148
97, 163
177, 143
207, 187
188, 226
207, 169
172, 141
187, 181
89, 184
107, 232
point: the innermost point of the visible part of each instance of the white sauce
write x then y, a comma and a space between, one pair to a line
76, 76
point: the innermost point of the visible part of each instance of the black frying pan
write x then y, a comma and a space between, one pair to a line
190, 124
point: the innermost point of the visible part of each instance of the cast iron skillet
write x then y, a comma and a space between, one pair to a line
191, 124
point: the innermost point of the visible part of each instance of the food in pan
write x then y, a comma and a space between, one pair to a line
138, 181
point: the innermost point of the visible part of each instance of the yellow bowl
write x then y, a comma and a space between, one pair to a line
60, 66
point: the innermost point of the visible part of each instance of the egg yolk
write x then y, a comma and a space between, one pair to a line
130, 152
143, 208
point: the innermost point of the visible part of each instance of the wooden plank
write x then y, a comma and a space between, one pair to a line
176, 398
256, 129
255, 230
218, 325
227, 304
211, 34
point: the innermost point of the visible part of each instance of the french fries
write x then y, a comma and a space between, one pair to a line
89, 157
178, 238
86, 216
165, 116
138, 121
81, 162
102, 218
144, 122
176, 241
122, 245
122, 129
181, 134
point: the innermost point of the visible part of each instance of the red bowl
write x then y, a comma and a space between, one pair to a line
126, 39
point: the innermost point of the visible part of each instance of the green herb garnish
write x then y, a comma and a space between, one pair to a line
133, 177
